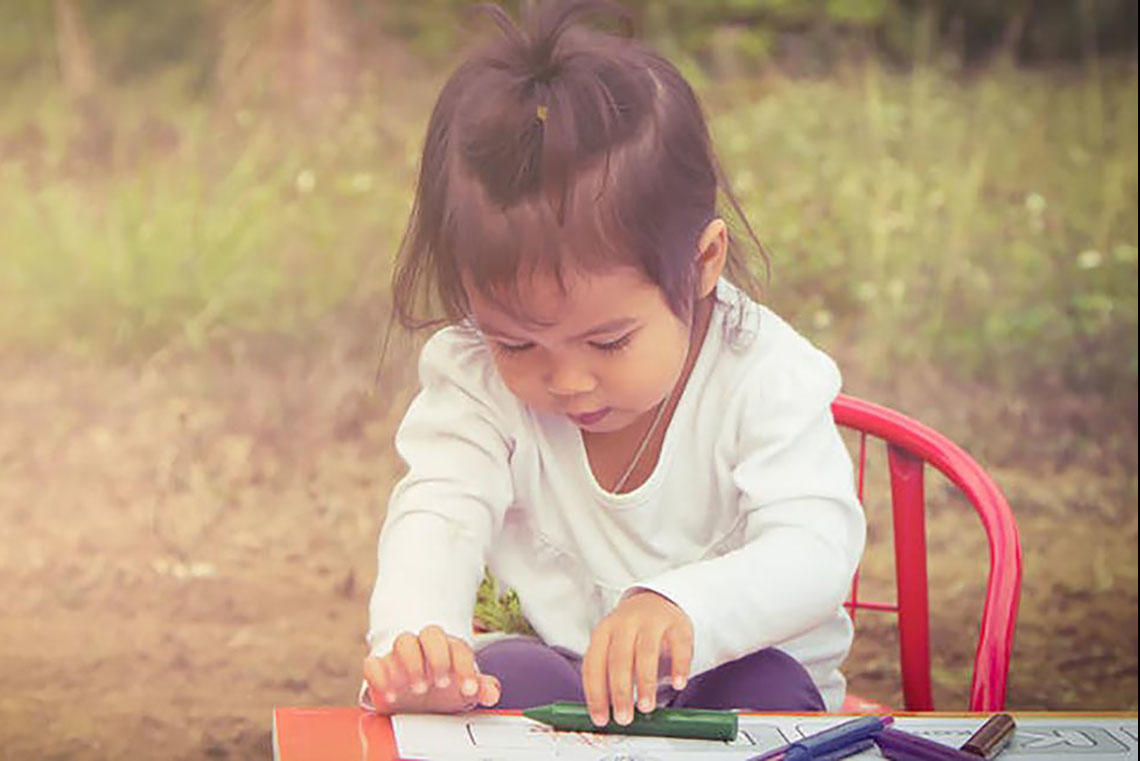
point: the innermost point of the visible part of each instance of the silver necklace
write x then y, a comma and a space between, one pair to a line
644, 442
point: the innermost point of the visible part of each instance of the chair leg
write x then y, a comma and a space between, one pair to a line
909, 508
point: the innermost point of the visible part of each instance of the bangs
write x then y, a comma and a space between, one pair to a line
500, 249
622, 209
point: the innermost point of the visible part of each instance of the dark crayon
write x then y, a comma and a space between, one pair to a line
903, 746
991, 737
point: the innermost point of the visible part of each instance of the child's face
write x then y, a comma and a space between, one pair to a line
603, 353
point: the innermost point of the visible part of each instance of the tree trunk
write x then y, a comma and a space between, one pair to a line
1014, 32
91, 146
245, 50
314, 52
76, 57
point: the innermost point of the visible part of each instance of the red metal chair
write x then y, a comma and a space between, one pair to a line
910, 445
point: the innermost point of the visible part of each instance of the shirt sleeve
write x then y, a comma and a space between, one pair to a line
804, 529
445, 511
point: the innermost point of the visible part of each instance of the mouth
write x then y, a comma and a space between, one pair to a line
590, 418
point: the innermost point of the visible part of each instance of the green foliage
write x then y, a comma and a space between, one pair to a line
500, 610
857, 12
175, 34
232, 223
986, 225
27, 37
135, 39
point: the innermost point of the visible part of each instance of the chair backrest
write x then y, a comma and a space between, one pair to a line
910, 445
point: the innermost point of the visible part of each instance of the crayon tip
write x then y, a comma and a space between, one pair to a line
539, 713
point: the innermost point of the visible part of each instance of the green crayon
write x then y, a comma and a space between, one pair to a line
662, 722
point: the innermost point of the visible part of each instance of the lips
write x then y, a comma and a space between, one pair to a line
590, 418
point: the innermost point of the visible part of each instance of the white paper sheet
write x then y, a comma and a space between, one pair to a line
492, 737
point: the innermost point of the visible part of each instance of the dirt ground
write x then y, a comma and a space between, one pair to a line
187, 542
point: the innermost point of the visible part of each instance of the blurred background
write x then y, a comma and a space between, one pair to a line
199, 205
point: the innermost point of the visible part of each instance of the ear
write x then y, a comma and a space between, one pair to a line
712, 251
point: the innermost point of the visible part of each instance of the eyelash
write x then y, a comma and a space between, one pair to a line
609, 348
613, 346
511, 349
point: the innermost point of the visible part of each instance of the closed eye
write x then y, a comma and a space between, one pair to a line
508, 348
616, 345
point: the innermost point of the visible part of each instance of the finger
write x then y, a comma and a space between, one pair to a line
489, 690
393, 670
594, 679
398, 680
408, 652
372, 671
377, 682
680, 644
380, 687
620, 674
463, 665
437, 653
647, 654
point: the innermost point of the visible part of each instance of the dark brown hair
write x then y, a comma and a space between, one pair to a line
557, 145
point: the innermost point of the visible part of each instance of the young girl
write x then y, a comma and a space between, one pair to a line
646, 455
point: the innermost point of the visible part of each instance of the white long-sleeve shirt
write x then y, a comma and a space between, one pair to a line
749, 521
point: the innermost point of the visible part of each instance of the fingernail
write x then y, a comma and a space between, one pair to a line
419, 688
442, 682
679, 683
469, 687
624, 716
645, 705
598, 719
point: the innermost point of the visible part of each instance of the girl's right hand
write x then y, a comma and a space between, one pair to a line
432, 672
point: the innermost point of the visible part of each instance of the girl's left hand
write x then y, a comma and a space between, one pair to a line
625, 650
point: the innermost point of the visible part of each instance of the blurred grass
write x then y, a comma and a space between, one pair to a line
984, 223
186, 222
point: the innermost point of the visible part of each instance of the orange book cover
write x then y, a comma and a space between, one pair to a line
331, 734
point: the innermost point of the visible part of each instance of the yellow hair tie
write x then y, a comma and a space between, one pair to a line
542, 114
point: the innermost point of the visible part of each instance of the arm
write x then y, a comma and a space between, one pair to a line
444, 513
804, 529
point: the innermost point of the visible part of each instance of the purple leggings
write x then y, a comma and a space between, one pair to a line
534, 674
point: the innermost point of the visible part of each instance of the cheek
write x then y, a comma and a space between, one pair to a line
670, 361
672, 354
650, 373
516, 376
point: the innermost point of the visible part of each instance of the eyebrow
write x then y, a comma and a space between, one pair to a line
610, 326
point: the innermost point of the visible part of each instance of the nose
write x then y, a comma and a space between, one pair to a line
567, 379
